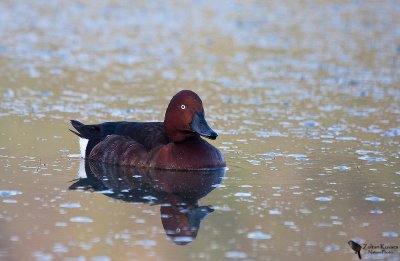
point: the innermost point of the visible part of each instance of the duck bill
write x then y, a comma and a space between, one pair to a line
200, 126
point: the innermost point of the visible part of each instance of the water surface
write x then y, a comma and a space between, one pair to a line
304, 96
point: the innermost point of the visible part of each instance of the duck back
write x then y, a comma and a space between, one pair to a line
148, 134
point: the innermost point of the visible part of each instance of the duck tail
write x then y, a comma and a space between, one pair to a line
89, 136
76, 133
85, 131
79, 126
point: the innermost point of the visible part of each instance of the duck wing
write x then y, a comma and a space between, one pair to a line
148, 134
118, 150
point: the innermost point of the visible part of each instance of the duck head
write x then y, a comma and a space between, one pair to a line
185, 118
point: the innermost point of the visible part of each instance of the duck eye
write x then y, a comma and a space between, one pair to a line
183, 106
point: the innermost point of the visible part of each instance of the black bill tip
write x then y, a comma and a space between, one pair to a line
200, 126
212, 136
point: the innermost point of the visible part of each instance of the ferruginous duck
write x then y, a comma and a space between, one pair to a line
172, 144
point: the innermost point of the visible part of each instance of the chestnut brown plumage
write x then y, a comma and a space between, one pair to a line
172, 144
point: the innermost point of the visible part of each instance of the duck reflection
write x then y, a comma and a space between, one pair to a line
177, 193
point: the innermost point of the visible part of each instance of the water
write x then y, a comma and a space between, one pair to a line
304, 97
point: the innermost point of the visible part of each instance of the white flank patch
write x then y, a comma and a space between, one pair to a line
83, 144
82, 172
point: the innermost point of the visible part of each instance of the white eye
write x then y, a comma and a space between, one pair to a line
183, 106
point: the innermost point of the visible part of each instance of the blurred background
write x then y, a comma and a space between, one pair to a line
303, 94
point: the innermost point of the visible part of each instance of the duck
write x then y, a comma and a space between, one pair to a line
176, 143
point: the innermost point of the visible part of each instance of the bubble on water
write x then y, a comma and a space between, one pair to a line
397, 173
242, 194
358, 113
374, 199
309, 124
81, 219
9, 193
289, 223
70, 205
372, 159
358, 240
101, 258
140, 221
267, 134
342, 168
274, 212
298, 157
328, 198
14, 238
337, 128
60, 248
235, 254
331, 248
372, 129
390, 234
56, 71
60, 224
346, 138
33, 73
146, 243
365, 152
311, 243
327, 136
9, 94
42, 256
10, 201
305, 211
258, 235
396, 192
376, 211
273, 154
254, 162
391, 133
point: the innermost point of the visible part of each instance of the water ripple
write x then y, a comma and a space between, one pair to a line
9, 193
81, 220
258, 235
324, 199
374, 199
